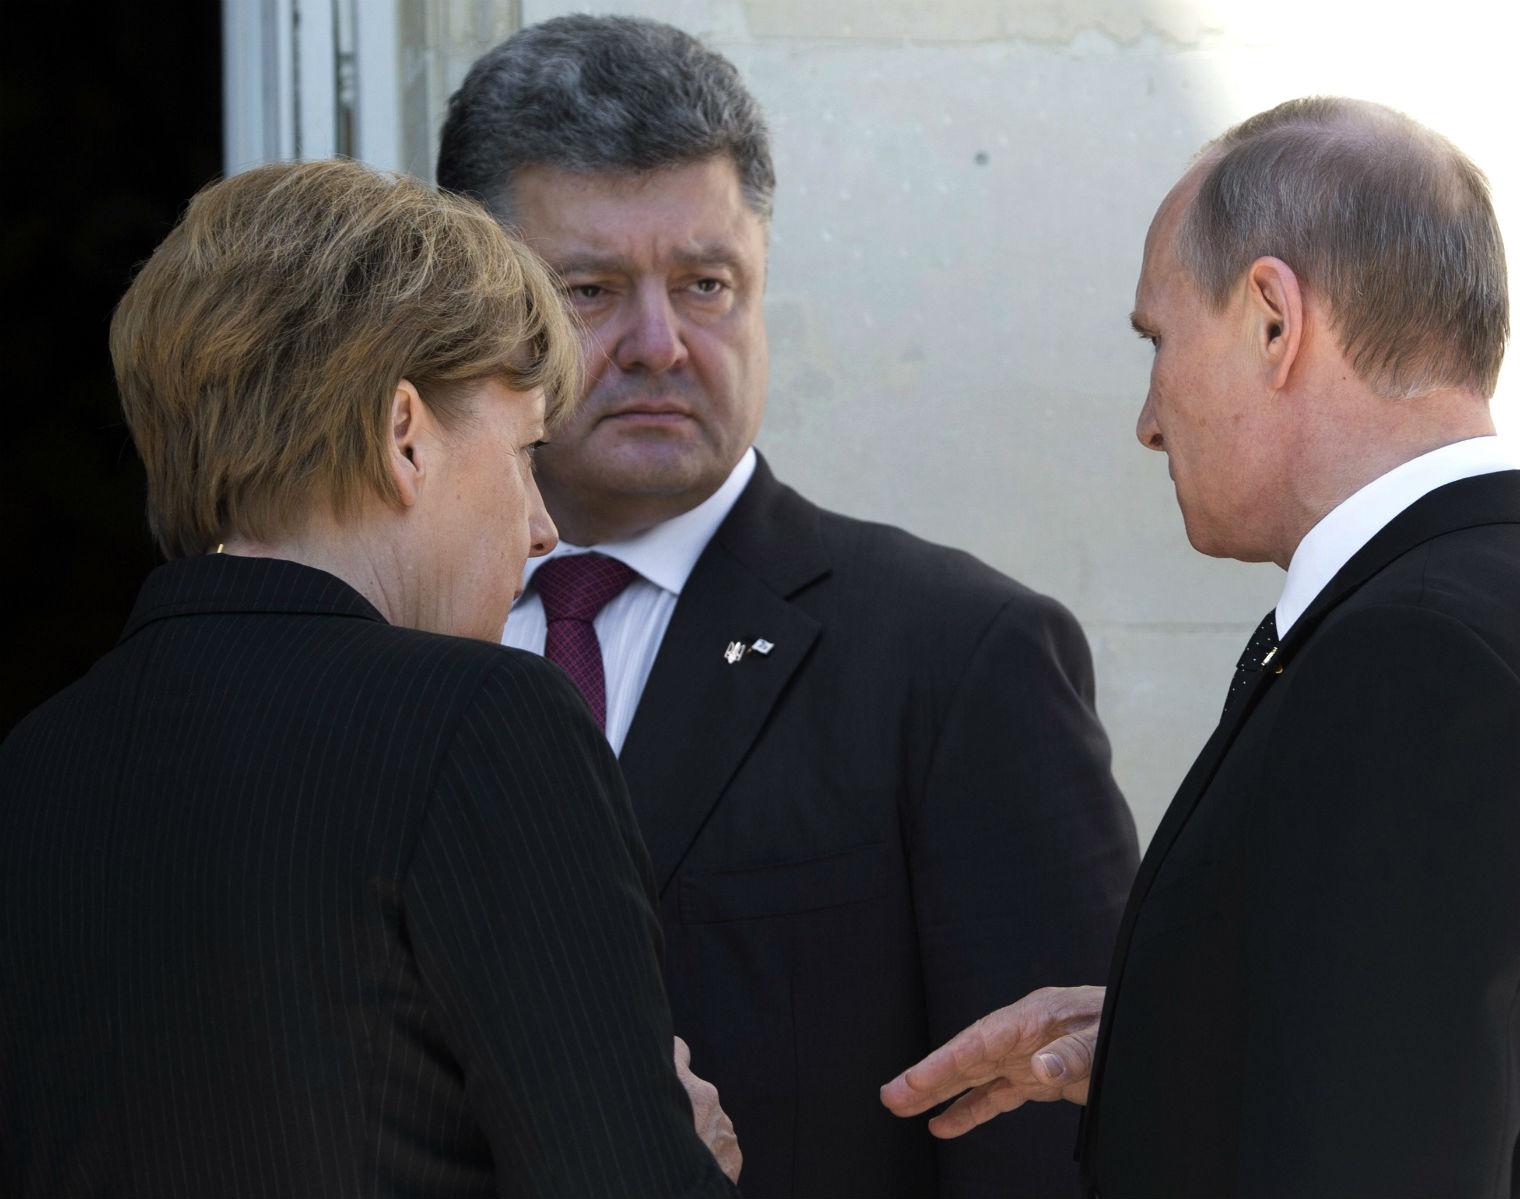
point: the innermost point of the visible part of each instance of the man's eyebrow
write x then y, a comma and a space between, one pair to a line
588, 264
715, 253
707, 254
1137, 323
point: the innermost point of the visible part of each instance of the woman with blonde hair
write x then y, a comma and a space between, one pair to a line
310, 887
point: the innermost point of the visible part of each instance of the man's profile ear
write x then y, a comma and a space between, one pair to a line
406, 455
1276, 305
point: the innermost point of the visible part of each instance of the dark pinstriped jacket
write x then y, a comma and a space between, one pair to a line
297, 903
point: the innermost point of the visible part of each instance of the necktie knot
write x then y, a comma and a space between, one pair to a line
573, 590
578, 586
1258, 649
1262, 643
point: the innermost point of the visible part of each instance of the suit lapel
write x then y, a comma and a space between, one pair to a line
700, 714
1467, 503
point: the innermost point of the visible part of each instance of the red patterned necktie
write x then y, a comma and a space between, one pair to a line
574, 588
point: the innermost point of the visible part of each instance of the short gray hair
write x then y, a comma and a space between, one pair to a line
600, 94
1387, 221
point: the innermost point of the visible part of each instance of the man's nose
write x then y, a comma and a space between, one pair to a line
1146, 428
652, 338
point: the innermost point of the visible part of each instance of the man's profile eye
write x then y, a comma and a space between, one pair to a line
1150, 337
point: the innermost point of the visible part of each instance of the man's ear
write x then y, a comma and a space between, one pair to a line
1275, 303
408, 446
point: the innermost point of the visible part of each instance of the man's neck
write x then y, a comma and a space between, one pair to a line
1334, 468
597, 520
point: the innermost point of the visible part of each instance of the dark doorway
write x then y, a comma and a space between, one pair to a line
109, 123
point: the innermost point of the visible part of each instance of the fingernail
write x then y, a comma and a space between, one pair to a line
1053, 1065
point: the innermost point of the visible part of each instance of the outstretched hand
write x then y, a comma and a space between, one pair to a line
1040, 1048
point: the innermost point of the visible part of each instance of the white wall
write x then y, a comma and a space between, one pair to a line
964, 187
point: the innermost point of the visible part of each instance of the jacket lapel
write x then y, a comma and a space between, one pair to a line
1467, 503
700, 713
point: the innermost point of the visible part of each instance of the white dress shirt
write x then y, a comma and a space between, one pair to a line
1356, 520
632, 625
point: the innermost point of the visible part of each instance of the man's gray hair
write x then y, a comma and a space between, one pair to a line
1388, 222
619, 95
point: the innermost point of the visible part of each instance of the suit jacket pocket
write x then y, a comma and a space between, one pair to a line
1177, 900
785, 888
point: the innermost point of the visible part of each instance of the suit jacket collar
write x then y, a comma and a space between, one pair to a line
773, 533
224, 583
1466, 503
700, 714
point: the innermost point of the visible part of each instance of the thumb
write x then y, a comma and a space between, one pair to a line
1065, 1062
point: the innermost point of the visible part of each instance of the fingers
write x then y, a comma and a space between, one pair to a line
725, 1149
993, 1061
969, 1059
959, 1063
712, 1124
977, 1107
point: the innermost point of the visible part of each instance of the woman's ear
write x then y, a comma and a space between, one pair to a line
406, 448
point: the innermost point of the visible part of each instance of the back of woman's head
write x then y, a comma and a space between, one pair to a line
258, 350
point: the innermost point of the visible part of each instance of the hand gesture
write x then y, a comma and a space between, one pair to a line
1040, 1048
713, 1124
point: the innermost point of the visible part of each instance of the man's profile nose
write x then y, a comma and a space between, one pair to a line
1147, 431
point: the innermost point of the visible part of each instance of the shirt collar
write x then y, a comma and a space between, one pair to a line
666, 554
1353, 522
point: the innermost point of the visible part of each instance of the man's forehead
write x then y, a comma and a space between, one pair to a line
692, 213
1161, 237
1170, 211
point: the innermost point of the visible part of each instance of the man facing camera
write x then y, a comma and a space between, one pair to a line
1316, 991
867, 768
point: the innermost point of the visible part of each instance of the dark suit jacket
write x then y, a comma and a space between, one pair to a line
1316, 993
297, 903
898, 819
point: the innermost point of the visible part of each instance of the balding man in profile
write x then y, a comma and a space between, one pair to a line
1316, 989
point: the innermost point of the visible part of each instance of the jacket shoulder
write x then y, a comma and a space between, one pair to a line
927, 580
1469, 576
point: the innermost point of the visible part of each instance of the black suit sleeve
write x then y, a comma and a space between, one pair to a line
1022, 854
1383, 985
528, 908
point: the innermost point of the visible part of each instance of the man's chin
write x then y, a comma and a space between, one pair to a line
652, 466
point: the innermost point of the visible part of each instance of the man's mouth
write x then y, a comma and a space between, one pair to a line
655, 411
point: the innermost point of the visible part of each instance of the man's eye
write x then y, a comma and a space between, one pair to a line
1152, 338
532, 450
585, 291
708, 287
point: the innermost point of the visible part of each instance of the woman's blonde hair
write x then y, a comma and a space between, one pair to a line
258, 350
